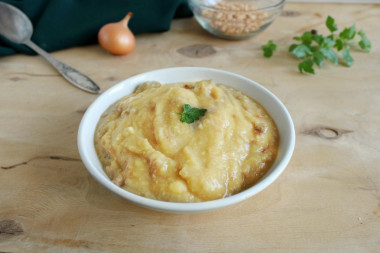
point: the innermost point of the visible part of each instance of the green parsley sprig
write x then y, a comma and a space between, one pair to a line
314, 48
191, 114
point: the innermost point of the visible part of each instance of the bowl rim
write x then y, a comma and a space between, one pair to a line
84, 151
210, 7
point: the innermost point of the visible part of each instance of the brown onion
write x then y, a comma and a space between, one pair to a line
116, 38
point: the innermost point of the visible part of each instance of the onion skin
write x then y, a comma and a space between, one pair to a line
116, 38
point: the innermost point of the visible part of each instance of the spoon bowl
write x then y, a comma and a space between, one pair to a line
14, 24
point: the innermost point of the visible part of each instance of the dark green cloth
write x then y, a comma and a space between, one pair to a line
60, 24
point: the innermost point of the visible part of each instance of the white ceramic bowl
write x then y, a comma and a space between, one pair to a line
186, 74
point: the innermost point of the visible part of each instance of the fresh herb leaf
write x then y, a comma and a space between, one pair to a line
313, 47
330, 55
364, 43
348, 33
301, 51
339, 44
191, 114
306, 66
318, 38
269, 48
347, 56
318, 58
327, 42
307, 38
297, 38
292, 47
330, 23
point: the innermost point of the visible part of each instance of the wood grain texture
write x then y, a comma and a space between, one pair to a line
327, 200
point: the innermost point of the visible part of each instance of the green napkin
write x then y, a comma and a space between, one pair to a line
60, 24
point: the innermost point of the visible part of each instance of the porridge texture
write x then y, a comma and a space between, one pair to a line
146, 149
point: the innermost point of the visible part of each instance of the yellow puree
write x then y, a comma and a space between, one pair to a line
146, 149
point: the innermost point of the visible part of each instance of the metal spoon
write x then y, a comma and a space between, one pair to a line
16, 27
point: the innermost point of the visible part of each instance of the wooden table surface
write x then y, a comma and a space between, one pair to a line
327, 200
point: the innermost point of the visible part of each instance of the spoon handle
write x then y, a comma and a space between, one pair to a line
69, 73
